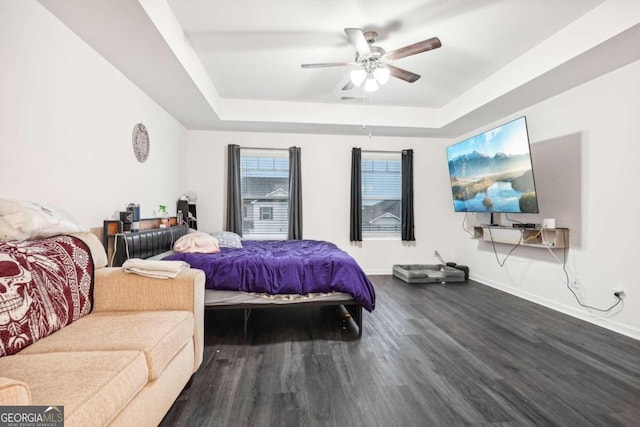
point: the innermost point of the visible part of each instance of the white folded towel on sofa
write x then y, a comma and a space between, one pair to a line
154, 268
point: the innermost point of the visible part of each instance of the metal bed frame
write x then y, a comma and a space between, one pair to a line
354, 309
148, 243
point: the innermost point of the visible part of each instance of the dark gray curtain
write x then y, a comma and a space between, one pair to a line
356, 196
295, 194
407, 196
234, 199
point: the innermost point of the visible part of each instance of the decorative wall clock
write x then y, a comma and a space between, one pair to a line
140, 140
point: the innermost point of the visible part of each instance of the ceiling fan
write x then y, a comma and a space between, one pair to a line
372, 64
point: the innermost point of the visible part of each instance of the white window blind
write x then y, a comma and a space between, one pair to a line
381, 194
264, 176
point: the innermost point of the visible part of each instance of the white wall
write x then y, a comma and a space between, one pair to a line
585, 152
66, 120
326, 163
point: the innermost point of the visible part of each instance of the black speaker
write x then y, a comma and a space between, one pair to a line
127, 218
135, 216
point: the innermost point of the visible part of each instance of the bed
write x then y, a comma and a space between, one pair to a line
265, 274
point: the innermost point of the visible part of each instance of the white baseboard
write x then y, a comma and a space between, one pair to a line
571, 311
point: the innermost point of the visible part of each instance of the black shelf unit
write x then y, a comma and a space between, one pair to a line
188, 208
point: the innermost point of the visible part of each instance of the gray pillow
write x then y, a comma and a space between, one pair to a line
228, 239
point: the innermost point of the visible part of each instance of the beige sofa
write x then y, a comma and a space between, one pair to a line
124, 363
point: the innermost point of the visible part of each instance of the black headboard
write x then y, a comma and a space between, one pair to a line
145, 244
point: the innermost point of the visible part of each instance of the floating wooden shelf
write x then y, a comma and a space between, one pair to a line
535, 237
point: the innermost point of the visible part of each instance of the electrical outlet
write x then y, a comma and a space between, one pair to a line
618, 292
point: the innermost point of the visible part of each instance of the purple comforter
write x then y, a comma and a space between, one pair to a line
284, 267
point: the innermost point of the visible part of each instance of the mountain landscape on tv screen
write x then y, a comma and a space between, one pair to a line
498, 183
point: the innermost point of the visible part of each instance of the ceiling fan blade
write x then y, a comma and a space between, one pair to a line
359, 41
326, 64
349, 85
402, 74
412, 49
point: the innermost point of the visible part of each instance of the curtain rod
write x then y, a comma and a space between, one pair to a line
383, 151
264, 148
286, 149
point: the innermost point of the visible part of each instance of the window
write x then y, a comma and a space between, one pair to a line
264, 181
381, 194
266, 212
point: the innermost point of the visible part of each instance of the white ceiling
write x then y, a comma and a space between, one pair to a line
253, 50
236, 65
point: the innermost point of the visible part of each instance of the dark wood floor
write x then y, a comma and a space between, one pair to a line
430, 355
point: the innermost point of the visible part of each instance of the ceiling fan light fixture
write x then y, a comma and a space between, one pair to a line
371, 85
382, 74
358, 76
372, 63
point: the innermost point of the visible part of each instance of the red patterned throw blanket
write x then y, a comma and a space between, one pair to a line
44, 286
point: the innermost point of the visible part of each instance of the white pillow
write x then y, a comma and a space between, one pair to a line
197, 243
22, 220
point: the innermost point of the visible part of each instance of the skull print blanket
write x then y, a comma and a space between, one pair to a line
44, 285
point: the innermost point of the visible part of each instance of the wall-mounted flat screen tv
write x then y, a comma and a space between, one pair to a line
493, 172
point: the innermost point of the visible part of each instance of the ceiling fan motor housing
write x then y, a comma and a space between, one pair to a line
375, 55
370, 36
